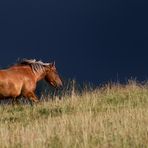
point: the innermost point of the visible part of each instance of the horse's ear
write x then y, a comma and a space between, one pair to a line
52, 64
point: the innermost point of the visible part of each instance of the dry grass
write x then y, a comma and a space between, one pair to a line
111, 116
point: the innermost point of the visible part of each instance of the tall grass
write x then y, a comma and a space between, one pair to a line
111, 116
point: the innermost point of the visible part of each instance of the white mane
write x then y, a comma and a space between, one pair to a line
35, 65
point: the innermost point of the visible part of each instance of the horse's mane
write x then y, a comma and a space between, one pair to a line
34, 64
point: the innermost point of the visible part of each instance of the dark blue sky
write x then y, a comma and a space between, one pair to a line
90, 40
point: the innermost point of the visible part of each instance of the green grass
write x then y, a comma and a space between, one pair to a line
111, 116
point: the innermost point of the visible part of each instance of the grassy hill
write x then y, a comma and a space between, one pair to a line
113, 115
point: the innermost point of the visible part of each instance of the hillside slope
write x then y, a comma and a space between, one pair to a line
111, 116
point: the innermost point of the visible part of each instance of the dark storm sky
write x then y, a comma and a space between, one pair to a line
90, 40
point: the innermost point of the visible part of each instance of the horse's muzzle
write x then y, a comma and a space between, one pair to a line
60, 84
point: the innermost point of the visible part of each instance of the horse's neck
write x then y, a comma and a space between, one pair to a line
39, 75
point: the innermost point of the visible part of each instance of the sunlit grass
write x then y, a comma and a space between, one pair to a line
111, 116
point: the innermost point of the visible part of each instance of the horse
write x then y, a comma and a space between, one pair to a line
20, 79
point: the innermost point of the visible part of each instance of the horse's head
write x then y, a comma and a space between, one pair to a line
52, 76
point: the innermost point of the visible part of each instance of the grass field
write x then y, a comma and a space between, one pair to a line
111, 116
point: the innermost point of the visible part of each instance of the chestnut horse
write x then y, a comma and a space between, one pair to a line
21, 79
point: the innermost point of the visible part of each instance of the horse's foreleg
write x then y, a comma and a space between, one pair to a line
32, 97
